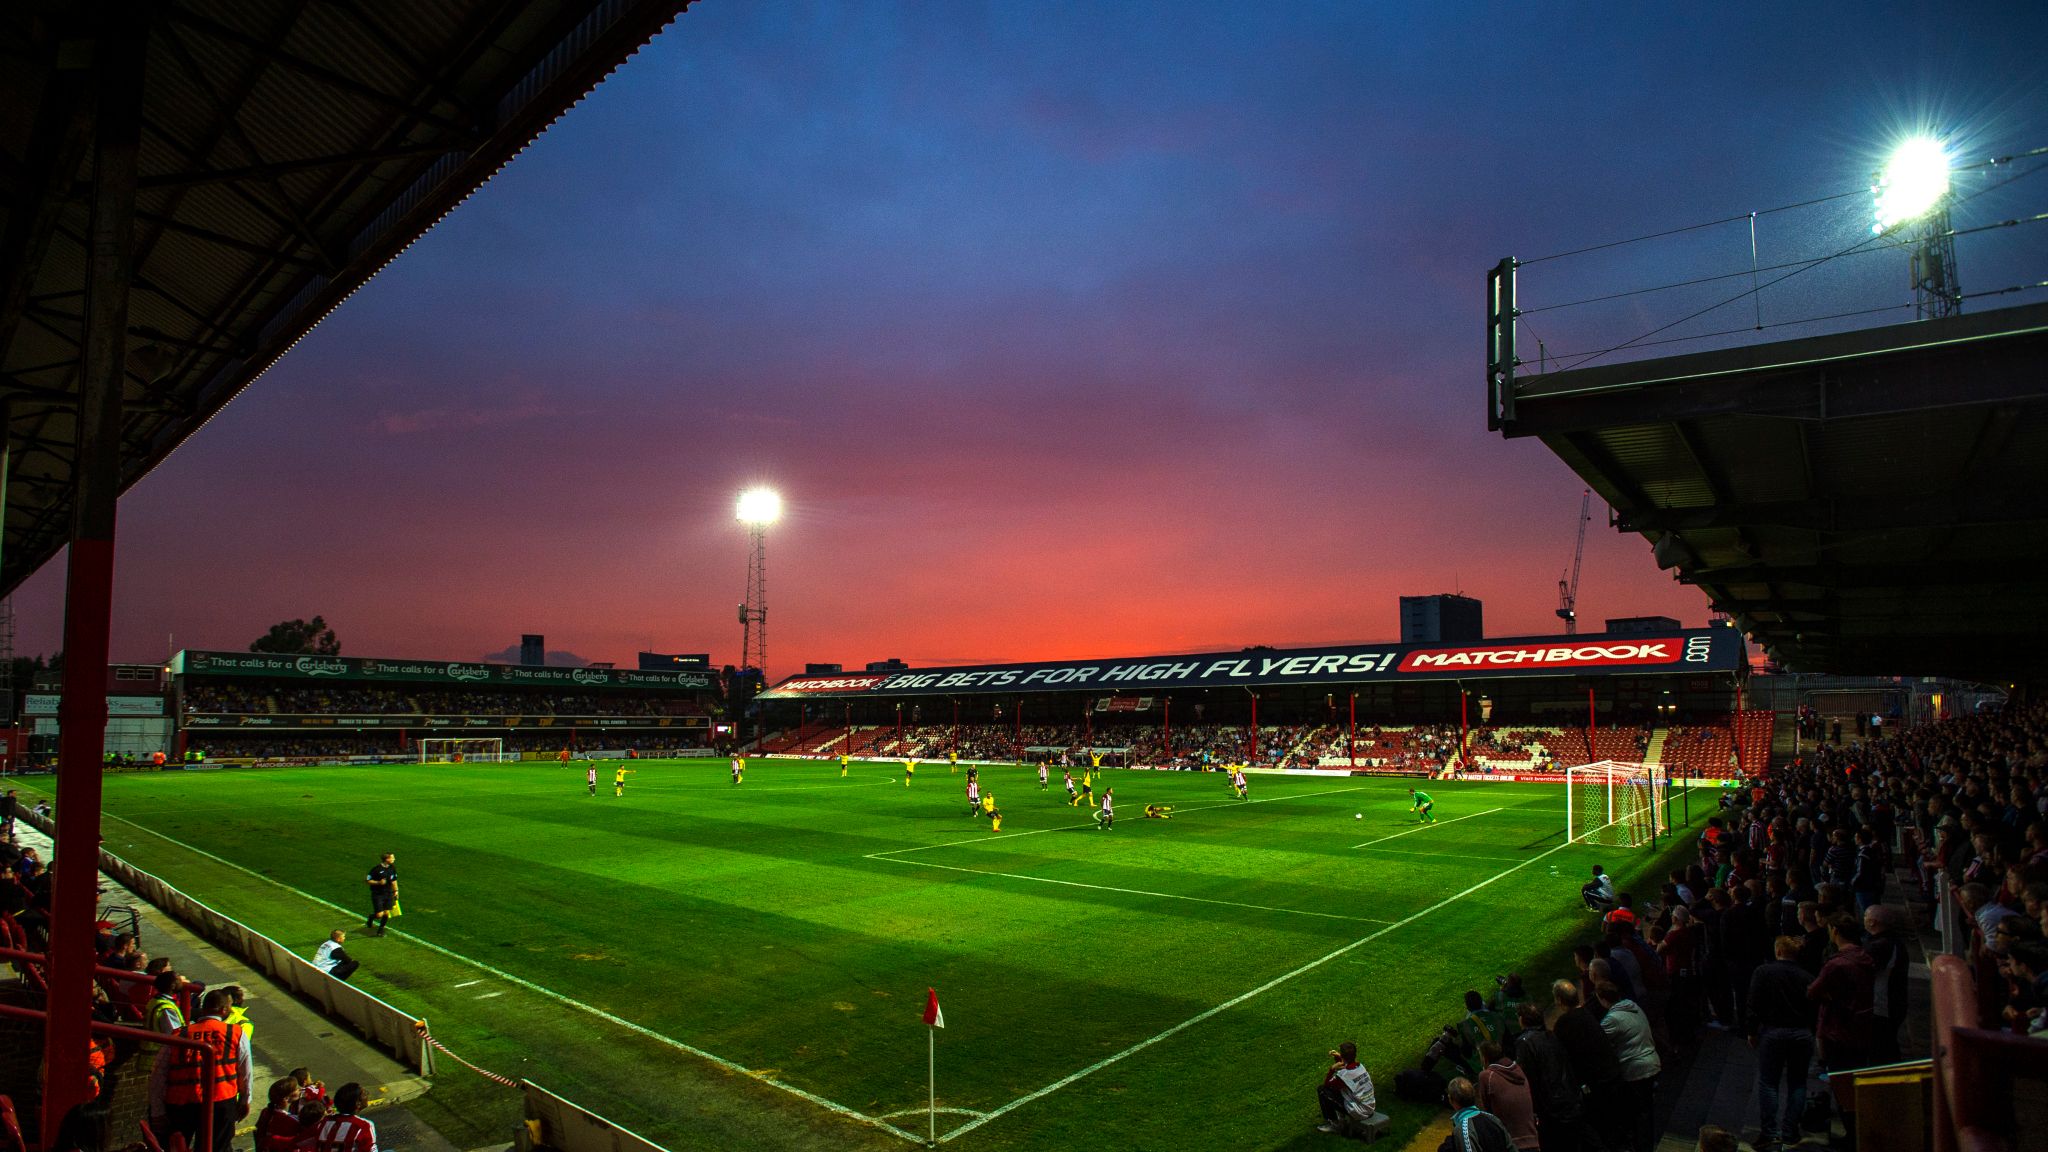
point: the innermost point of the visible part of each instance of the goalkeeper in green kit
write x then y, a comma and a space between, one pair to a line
1423, 803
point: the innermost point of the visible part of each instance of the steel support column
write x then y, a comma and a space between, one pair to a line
117, 63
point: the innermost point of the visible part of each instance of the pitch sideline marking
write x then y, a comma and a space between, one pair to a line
720, 1061
1269, 985
1133, 891
1432, 824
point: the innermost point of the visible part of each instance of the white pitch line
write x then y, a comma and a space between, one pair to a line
1133, 891
651, 1034
1269, 985
1424, 854
1063, 827
468, 983
1423, 827
488, 995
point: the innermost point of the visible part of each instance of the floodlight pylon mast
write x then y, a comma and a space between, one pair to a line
1936, 290
754, 612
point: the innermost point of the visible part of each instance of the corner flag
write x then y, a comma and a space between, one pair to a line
933, 1018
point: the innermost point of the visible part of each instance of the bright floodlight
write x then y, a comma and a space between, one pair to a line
1913, 181
759, 506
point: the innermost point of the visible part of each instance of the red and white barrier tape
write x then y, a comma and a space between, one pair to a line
420, 1026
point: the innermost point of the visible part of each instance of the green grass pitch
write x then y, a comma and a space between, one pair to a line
1166, 985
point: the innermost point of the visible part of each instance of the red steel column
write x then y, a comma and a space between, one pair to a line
956, 726
118, 54
1351, 733
1255, 728
1592, 729
1169, 727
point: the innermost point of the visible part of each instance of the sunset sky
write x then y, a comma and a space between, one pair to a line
1064, 331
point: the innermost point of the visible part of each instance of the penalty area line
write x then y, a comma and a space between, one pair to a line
1425, 827
1268, 986
628, 1025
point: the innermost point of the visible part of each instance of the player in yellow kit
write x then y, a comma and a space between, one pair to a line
909, 770
619, 780
843, 761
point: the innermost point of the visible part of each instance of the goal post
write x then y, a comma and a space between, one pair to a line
1616, 804
463, 749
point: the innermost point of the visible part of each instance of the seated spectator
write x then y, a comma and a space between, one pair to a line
2029, 963
333, 959
342, 1130
1598, 893
277, 1126
1473, 1129
1480, 1025
1504, 1091
1346, 1094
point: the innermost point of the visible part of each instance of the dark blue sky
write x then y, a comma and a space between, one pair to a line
1069, 330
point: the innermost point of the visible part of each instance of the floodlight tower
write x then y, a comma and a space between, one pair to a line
758, 508
1912, 202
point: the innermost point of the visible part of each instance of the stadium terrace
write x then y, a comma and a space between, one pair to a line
1689, 652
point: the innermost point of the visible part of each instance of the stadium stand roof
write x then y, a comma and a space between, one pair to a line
288, 151
1867, 502
1685, 652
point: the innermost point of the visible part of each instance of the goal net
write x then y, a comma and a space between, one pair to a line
463, 749
1615, 804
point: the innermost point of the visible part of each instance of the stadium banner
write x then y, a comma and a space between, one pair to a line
347, 668
47, 704
1697, 650
284, 720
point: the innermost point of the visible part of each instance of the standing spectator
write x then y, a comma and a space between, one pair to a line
1628, 1033
1778, 1019
383, 882
1592, 1059
1887, 945
1504, 1091
1679, 951
342, 1130
1473, 1129
178, 1088
1866, 878
1844, 991
1554, 1090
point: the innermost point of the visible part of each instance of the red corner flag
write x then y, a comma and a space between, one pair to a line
933, 1018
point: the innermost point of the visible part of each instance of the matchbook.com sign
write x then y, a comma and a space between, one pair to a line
1695, 651
428, 671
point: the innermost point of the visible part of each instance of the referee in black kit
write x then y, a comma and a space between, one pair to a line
383, 882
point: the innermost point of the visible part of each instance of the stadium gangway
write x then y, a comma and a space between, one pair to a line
46, 1139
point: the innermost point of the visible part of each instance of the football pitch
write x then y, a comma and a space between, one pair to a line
745, 966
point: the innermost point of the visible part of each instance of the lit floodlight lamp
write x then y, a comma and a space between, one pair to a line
1911, 183
759, 506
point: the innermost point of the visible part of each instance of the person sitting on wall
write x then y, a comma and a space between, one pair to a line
333, 959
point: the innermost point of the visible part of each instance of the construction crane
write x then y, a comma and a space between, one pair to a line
1568, 584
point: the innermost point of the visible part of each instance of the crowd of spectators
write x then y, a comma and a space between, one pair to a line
382, 700
1778, 931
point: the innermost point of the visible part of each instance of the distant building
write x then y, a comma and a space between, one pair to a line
823, 669
1626, 625
674, 661
1443, 617
601, 664
890, 665
533, 650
